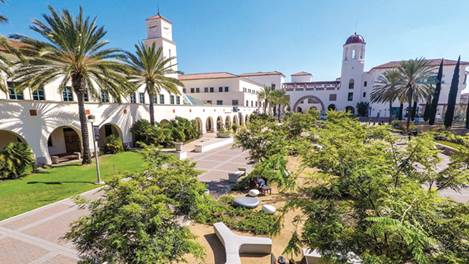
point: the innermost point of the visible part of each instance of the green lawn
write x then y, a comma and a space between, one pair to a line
38, 189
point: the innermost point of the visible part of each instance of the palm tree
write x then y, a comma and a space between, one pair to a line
279, 98
385, 88
73, 52
265, 95
5, 60
415, 82
150, 69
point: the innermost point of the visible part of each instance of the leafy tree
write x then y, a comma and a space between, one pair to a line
385, 88
436, 94
113, 145
6, 60
453, 93
15, 160
150, 68
362, 108
136, 221
73, 51
367, 198
415, 86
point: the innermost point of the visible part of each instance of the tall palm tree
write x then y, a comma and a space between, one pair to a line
265, 95
150, 69
415, 82
280, 99
385, 88
73, 51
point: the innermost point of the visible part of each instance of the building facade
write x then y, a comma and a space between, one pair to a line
47, 119
355, 84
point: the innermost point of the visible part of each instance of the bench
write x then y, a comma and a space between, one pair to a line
236, 244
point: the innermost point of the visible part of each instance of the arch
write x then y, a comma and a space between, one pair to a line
241, 119
7, 136
350, 109
331, 107
228, 122
209, 125
351, 84
106, 130
236, 120
198, 125
309, 100
219, 123
63, 143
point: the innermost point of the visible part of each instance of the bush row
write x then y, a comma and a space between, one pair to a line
164, 133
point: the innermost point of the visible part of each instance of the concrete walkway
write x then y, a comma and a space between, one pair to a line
36, 236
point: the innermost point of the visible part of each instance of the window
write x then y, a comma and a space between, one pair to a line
141, 97
184, 90
310, 101
68, 94
178, 99
351, 84
252, 103
220, 89
133, 98
13, 93
155, 99
332, 97
234, 102
212, 89
38, 94
104, 97
161, 98
247, 103
273, 86
364, 94
365, 83
206, 90
171, 99
219, 102
350, 97
197, 90
244, 89
227, 89
192, 90
86, 98
209, 101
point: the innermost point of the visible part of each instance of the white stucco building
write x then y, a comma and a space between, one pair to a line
47, 119
355, 84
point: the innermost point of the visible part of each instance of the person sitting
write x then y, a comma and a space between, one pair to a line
261, 183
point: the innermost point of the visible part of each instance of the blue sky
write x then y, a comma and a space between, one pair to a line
262, 35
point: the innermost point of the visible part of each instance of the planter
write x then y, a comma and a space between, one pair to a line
178, 146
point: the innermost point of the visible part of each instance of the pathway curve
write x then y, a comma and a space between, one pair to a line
35, 237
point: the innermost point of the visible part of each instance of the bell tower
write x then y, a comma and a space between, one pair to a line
160, 32
353, 64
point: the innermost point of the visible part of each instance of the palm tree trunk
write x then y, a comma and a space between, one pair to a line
152, 110
401, 110
390, 116
78, 87
409, 110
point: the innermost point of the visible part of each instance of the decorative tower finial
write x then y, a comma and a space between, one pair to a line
158, 8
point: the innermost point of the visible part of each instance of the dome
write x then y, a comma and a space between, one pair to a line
355, 38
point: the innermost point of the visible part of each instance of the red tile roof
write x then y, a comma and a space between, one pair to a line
433, 62
208, 75
262, 73
13, 43
301, 73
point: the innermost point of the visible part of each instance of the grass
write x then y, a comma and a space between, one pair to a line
54, 184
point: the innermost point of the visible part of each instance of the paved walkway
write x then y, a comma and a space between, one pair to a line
36, 236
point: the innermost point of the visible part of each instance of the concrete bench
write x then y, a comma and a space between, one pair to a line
234, 176
213, 144
236, 244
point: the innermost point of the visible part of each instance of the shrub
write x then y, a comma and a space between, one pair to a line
144, 132
15, 160
113, 145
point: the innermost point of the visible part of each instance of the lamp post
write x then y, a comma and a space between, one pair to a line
95, 135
